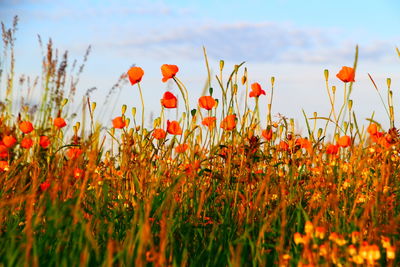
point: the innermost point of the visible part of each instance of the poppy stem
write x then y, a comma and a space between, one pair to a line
141, 99
185, 94
269, 116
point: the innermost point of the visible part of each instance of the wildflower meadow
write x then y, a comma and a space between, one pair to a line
222, 183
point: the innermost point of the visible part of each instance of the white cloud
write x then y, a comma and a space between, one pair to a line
255, 42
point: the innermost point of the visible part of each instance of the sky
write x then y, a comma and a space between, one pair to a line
294, 41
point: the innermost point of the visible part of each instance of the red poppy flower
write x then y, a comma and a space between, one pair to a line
118, 123
59, 123
229, 122
207, 102
135, 75
168, 71
344, 141
346, 74
181, 148
256, 90
26, 142
209, 122
44, 186
44, 141
169, 100
9, 141
26, 127
159, 134
267, 134
174, 128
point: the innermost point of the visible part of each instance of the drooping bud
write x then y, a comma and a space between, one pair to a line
123, 109
326, 73
389, 82
157, 122
93, 107
221, 65
350, 104
235, 89
64, 102
320, 131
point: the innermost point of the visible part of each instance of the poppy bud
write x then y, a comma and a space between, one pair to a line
326, 74
93, 106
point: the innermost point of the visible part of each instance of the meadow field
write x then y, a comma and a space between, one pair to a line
219, 185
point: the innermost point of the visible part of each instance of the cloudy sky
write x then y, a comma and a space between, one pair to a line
291, 40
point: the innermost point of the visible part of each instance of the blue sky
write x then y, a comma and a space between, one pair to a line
291, 40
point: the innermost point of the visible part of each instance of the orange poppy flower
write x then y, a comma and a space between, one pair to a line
26, 127
168, 71
4, 165
346, 74
118, 122
209, 122
169, 100
159, 134
74, 153
375, 137
135, 75
3, 150
283, 146
59, 123
9, 141
207, 102
332, 149
44, 141
78, 173
229, 122
344, 141
304, 143
174, 128
386, 140
26, 142
192, 168
256, 90
181, 148
267, 134
320, 232
372, 129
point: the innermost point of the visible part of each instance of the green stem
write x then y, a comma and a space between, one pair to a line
141, 99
